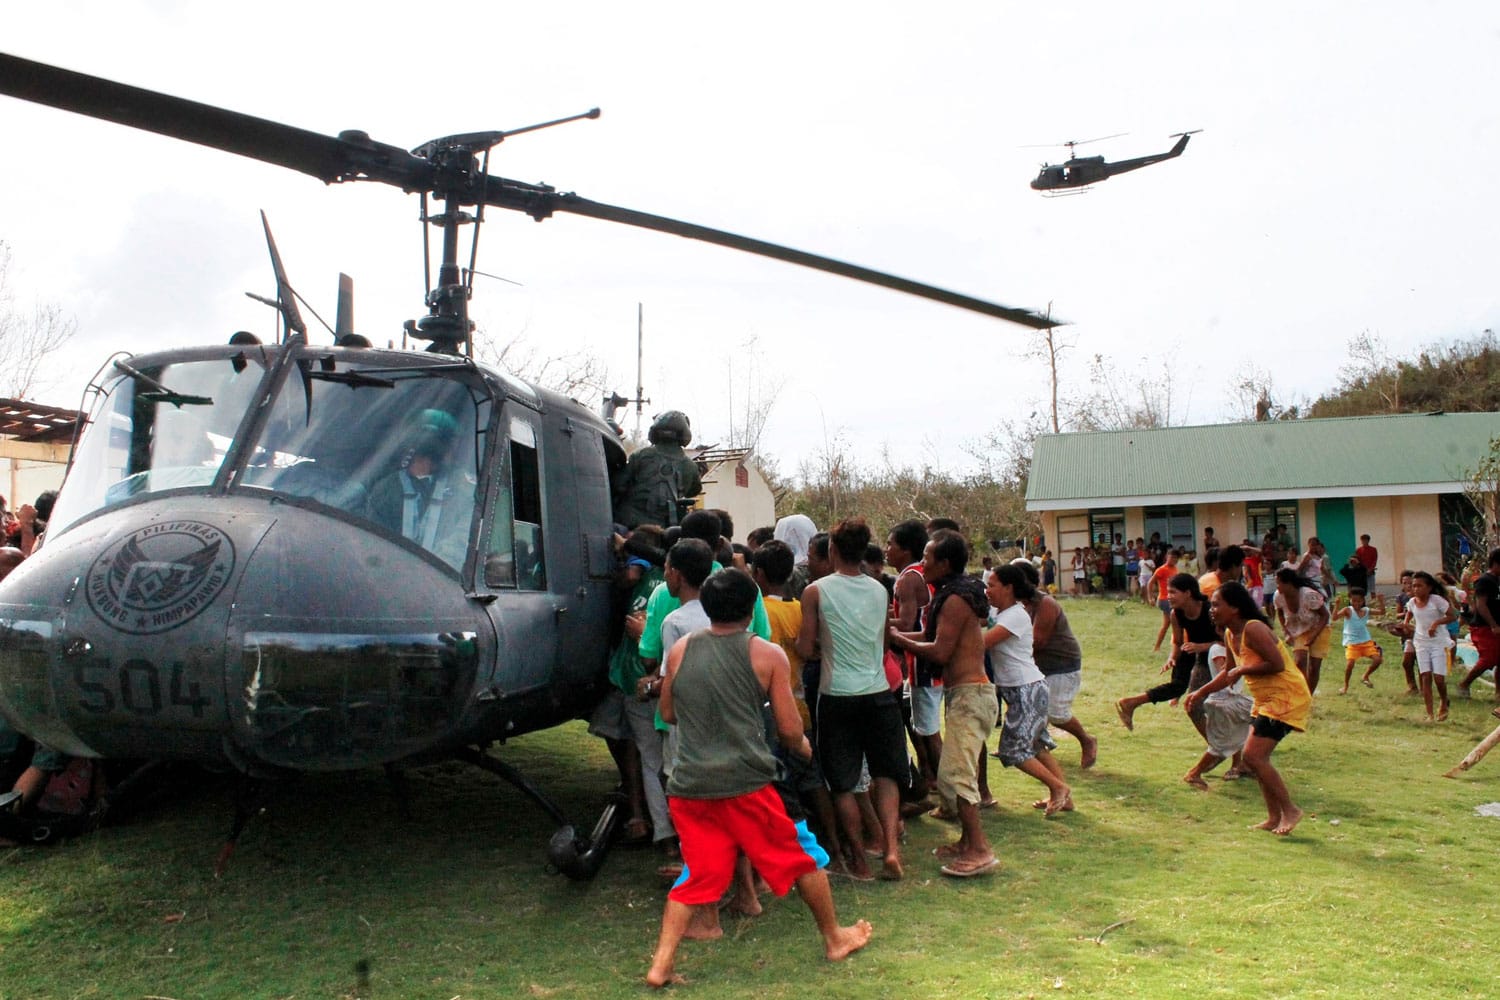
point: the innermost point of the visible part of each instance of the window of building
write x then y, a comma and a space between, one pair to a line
1267, 515
1104, 525
1174, 524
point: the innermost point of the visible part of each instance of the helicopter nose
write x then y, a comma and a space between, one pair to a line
347, 649
258, 632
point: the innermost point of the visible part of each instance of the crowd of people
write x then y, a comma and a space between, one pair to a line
779, 709
27, 769
881, 679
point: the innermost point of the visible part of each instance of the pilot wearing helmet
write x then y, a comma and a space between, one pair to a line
660, 479
427, 499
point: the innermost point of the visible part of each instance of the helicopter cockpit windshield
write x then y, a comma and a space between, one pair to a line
154, 429
396, 447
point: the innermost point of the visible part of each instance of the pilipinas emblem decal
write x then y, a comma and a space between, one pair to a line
159, 577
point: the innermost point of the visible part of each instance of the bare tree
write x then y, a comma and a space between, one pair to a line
759, 393
1482, 488
1123, 400
1259, 398
579, 374
1047, 347
27, 336
1371, 366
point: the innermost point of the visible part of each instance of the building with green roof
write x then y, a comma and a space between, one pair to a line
1397, 478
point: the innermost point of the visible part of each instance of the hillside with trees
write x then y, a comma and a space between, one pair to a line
1456, 377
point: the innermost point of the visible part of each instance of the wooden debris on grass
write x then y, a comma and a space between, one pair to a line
1477, 754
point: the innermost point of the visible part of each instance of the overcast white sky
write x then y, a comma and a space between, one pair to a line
1345, 181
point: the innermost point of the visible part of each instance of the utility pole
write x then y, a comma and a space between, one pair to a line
640, 389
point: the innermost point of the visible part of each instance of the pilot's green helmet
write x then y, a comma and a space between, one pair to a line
432, 432
672, 427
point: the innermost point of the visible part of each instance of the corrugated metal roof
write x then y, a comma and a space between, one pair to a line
1359, 455
28, 421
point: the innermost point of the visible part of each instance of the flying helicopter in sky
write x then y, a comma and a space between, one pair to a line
302, 557
1076, 174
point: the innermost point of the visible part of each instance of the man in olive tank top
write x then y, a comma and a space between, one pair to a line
720, 791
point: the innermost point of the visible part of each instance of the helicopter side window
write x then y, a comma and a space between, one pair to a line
516, 556
157, 428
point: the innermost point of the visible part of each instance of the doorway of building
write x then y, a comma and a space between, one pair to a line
1336, 531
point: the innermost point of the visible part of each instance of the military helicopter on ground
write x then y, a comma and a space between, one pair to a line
289, 557
1077, 173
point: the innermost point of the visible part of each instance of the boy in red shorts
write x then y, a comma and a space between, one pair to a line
720, 791
1484, 630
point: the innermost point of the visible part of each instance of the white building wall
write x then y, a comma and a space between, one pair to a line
751, 505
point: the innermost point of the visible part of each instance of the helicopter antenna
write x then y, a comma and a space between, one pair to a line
286, 298
497, 277
274, 304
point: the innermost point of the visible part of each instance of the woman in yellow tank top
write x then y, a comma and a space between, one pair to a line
1282, 700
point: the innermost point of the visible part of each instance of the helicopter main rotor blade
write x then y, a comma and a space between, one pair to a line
575, 205
354, 156
327, 158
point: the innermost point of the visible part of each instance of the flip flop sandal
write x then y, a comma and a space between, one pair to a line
960, 869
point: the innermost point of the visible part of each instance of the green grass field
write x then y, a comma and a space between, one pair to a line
1150, 889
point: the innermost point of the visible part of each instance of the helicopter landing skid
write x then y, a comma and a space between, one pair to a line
579, 858
249, 802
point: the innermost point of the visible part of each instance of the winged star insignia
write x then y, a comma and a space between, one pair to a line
160, 576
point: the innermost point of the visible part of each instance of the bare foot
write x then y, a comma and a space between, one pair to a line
1196, 780
746, 907
1127, 715
1344, 689
660, 979
891, 870
1366, 682
1443, 714
859, 870
1059, 803
1090, 753
1040, 803
1269, 824
847, 940
1288, 822
704, 925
